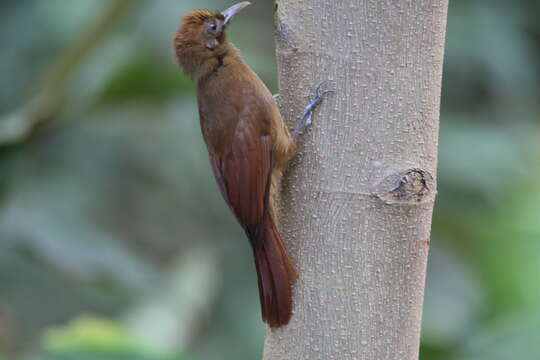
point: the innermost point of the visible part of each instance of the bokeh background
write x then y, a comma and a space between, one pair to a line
115, 243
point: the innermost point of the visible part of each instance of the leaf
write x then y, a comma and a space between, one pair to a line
146, 78
93, 338
515, 337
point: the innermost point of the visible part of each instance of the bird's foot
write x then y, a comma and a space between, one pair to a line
277, 98
305, 120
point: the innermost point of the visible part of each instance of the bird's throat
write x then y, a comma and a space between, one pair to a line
202, 63
219, 64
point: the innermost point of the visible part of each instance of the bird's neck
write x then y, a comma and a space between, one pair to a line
200, 62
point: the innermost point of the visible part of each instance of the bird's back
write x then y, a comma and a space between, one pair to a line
231, 95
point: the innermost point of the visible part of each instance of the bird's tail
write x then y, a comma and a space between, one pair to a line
275, 274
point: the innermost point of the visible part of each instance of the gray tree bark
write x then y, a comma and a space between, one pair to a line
357, 202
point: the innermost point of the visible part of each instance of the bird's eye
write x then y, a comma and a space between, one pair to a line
212, 27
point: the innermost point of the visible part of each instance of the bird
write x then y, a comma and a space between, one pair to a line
248, 143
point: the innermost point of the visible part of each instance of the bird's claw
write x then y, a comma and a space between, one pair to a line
317, 95
314, 99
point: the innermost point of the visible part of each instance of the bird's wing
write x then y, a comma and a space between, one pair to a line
237, 130
243, 170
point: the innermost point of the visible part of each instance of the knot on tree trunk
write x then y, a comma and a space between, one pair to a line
407, 187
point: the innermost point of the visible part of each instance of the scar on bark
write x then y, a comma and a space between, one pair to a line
410, 186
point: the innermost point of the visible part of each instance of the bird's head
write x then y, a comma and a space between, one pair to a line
202, 33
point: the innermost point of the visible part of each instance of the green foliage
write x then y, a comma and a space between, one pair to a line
88, 332
90, 338
508, 337
146, 79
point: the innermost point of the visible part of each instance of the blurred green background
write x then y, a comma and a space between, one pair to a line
115, 243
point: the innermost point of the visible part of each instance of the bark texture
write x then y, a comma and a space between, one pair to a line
357, 202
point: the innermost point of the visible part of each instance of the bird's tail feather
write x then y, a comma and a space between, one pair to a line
275, 274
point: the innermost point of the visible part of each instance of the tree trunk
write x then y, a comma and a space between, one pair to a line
357, 202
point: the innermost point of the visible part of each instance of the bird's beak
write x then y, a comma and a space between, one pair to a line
233, 10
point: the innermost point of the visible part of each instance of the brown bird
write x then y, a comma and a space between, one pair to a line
248, 143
